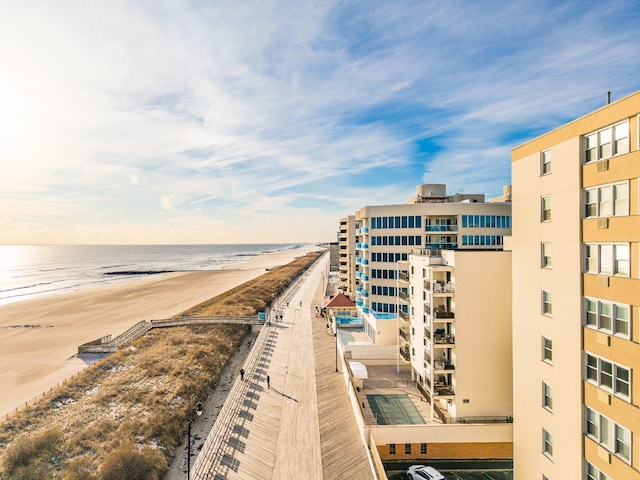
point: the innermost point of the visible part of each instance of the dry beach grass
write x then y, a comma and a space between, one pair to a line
128, 412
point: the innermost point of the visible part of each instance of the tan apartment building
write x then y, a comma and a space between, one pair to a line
576, 295
386, 234
457, 336
346, 253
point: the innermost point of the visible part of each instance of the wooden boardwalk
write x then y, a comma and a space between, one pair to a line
303, 426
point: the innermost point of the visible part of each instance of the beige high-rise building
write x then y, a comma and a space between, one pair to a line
576, 297
457, 334
346, 253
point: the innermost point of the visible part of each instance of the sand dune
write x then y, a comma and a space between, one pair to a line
39, 338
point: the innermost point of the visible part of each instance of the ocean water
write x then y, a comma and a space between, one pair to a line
31, 271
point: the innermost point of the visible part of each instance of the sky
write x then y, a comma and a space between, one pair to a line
267, 121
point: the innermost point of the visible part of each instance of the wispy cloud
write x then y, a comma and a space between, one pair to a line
227, 122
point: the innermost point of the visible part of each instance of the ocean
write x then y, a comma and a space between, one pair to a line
32, 271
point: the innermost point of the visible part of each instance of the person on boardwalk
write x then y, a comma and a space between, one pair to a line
268, 381
242, 374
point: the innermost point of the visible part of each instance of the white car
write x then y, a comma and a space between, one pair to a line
420, 472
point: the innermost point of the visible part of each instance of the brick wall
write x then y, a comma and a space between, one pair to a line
447, 450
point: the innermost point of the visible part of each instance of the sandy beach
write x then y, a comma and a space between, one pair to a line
39, 338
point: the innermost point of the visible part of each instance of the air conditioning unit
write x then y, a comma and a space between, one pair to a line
603, 223
603, 165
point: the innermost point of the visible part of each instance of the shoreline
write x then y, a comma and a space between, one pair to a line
32, 360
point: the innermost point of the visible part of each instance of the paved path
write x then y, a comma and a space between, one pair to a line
303, 425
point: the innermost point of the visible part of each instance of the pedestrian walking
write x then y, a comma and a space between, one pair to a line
268, 381
242, 374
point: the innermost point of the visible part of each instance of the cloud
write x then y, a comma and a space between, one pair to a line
257, 114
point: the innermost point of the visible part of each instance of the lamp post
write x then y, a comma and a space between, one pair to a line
198, 412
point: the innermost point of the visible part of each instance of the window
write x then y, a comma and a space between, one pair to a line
609, 376
546, 209
547, 400
392, 449
607, 200
546, 302
547, 350
613, 437
545, 248
407, 449
547, 443
593, 473
607, 259
545, 162
608, 142
423, 449
608, 317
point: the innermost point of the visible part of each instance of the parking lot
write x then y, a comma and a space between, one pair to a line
462, 475
461, 470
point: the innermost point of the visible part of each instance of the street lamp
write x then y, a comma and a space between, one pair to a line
198, 412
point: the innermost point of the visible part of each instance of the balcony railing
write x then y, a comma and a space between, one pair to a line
443, 314
440, 287
427, 333
441, 228
383, 315
404, 333
443, 339
442, 246
443, 365
403, 295
443, 390
405, 353
404, 315
403, 276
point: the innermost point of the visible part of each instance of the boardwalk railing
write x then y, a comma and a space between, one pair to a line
107, 345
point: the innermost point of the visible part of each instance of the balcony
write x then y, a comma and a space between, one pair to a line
442, 390
404, 315
427, 333
362, 261
362, 231
443, 365
403, 295
443, 314
364, 293
404, 333
383, 315
403, 276
405, 353
444, 339
441, 228
439, 287
442, 246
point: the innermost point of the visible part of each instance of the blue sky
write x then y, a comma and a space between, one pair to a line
267, 121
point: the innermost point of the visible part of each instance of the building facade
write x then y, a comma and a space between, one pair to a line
457, 336
576, 291
385, 235
346, 253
